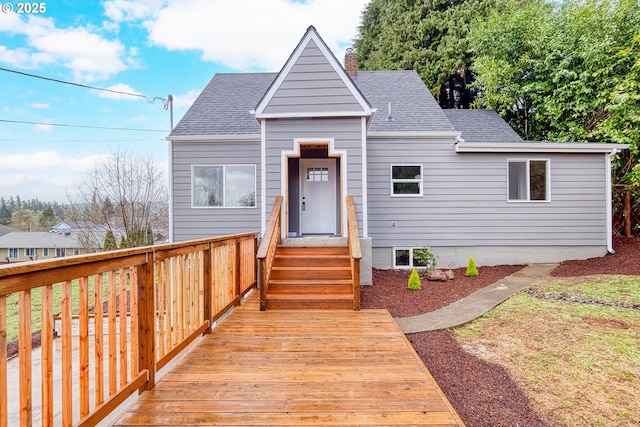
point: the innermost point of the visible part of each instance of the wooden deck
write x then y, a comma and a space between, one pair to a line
299, 367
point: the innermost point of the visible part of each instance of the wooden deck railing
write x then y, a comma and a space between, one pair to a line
355, 251
135, 310
267, 250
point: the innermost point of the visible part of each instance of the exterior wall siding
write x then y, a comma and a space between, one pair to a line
464, 202
346, 134
312, 86
194, 223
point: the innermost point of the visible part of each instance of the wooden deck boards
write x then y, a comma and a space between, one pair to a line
300, 367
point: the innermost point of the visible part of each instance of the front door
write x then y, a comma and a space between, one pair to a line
318, 196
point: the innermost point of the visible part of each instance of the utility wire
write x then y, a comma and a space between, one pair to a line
82, 126
149, 99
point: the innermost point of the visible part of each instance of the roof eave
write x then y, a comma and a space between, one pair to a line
538, 147
413, 134
215, 138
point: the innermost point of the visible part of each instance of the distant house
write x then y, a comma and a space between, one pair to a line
20, 246
460, 181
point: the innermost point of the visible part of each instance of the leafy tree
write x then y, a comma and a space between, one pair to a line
429, 36
567, 71
24, 220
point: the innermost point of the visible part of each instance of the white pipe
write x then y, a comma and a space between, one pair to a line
609, 201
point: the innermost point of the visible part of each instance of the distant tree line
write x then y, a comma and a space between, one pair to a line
30, 214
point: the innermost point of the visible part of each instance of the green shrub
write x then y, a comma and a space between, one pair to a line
414, 281
472, 270
424, 258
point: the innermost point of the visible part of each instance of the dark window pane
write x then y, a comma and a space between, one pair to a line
406, 188
538, 179
406, 172
402, 258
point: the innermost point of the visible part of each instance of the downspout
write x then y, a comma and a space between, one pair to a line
609, 201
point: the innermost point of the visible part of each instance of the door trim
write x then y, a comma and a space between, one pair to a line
284, 176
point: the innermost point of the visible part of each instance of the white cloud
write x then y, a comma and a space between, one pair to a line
40, 105
241, 34
119, 87
45, 174
185, 100
89, 55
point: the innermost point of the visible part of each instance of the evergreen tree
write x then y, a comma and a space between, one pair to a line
47, 219
109, 241
429, 36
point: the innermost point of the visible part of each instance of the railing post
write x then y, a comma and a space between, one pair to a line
146, 322
237, 275
208, 284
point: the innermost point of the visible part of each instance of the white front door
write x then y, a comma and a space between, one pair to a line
318, 196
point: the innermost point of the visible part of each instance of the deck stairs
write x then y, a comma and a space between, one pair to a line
311, 277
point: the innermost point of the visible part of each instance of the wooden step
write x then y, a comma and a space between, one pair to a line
310, 287
305, 277
296, 260
310, 273
312, 250
310, 301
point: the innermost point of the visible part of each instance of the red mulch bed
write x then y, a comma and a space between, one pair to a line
483, 394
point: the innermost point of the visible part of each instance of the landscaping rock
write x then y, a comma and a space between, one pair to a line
450, 274
437, 276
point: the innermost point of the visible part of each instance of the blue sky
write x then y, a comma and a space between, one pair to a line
147, 47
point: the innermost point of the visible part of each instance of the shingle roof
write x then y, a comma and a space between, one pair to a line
413, 107
482, 126
40, 239
223, 106
4, 230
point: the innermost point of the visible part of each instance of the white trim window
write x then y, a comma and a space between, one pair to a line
13, 253
405, 258
29, 252
223, 186
528, 180
45, 251
406, 180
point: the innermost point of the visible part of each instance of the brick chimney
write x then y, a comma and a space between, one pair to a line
351, 62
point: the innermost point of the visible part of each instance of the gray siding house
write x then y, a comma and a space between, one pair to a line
462, 182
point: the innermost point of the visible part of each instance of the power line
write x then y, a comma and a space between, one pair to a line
82, 126
146, 98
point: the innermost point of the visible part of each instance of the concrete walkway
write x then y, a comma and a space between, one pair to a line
476, 304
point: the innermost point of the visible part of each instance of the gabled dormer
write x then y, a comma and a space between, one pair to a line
312, 83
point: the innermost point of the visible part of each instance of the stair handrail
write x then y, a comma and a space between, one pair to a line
267, 250
355, 252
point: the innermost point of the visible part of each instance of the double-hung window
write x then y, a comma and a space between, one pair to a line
228, 186
13, 253
406, 180
29, 252
528, 180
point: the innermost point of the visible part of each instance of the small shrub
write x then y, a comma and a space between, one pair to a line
472, 270
424, 258
414, 281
